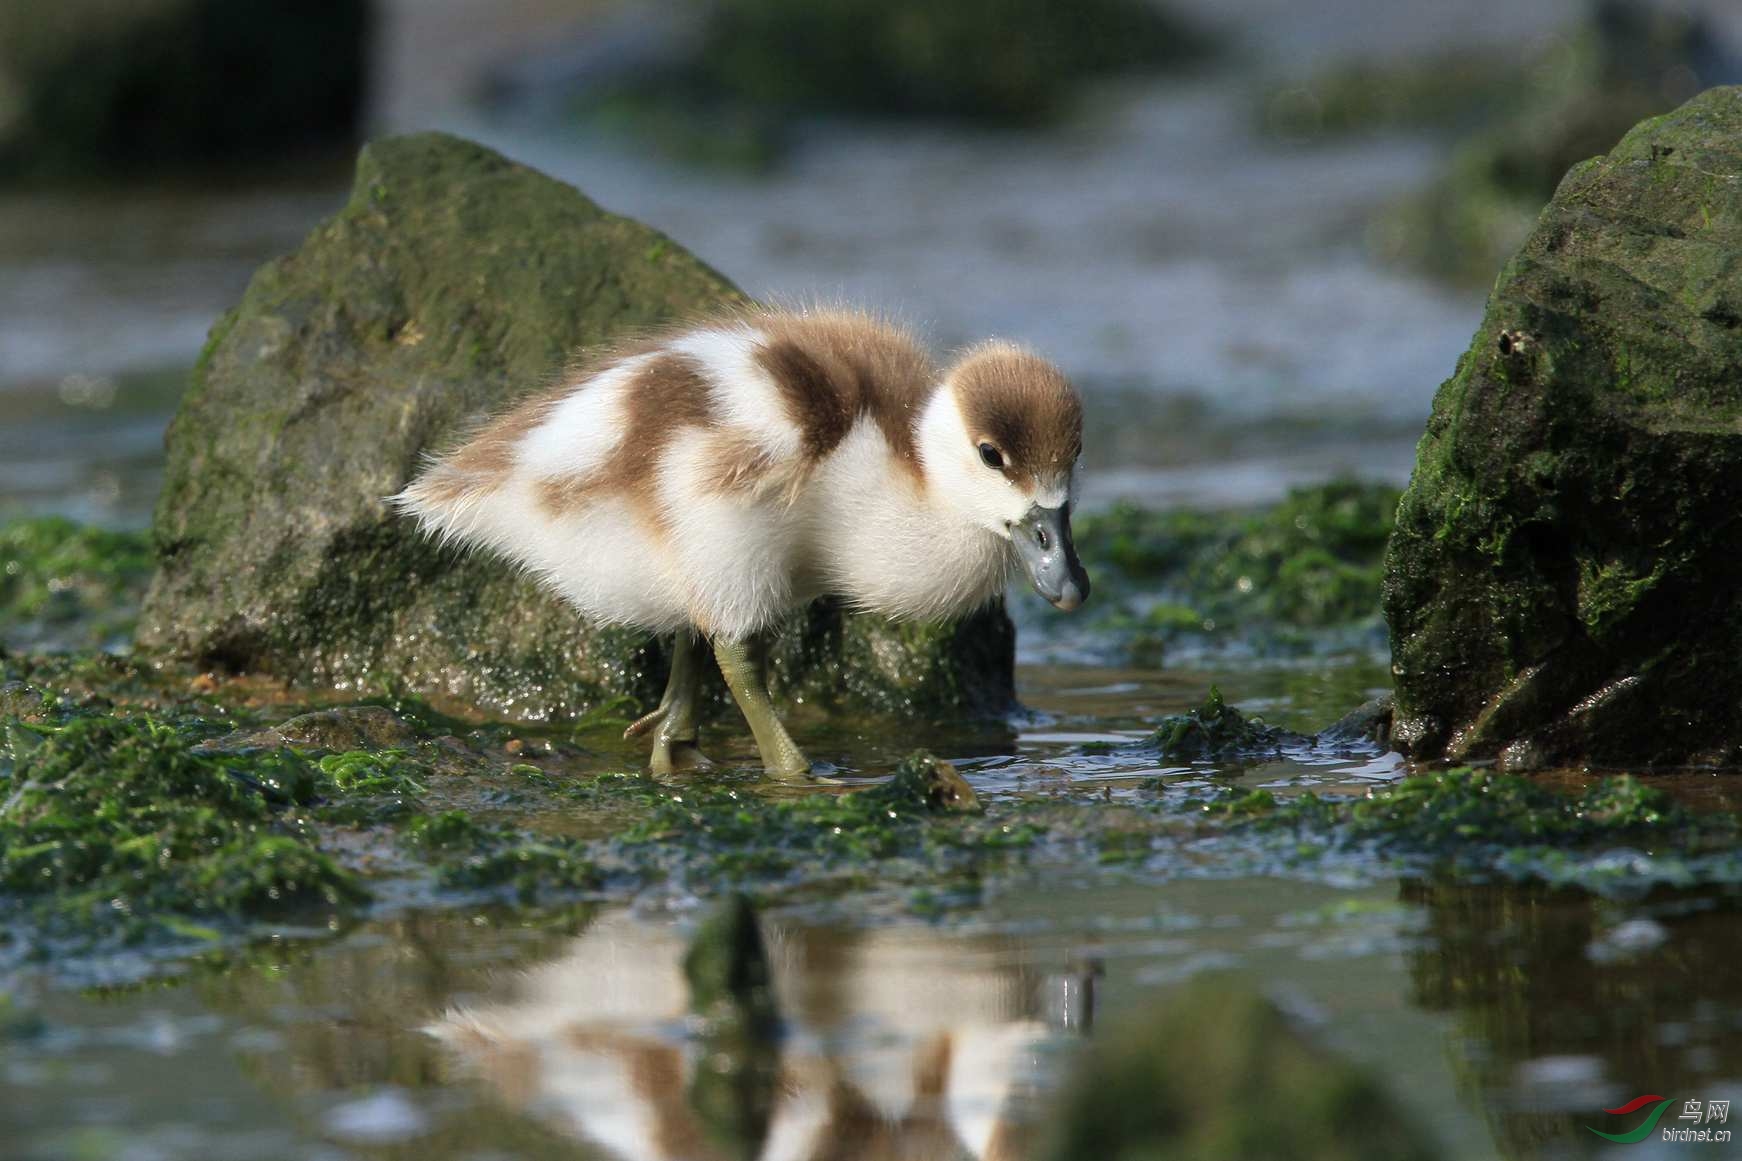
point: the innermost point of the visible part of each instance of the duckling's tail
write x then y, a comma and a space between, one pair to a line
446, 500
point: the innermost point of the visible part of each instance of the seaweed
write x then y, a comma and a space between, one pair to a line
1284, 578
69, 585
116, 818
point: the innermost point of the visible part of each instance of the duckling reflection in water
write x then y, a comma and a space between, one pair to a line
706, 482
898, 1045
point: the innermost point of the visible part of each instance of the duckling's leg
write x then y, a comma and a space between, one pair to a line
744, 664
674, 741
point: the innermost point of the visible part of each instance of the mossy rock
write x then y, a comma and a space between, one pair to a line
1560, 584
1217, 732
451, 282
1213, 1071
102, 87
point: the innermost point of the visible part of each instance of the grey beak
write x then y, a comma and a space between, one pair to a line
1043, 542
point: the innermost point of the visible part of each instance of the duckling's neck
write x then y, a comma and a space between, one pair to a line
888, 539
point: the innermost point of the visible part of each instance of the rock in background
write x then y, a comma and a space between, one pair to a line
1561, 584
451, 282
1626, 61
101, 87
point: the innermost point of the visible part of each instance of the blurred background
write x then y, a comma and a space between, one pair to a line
1257, 232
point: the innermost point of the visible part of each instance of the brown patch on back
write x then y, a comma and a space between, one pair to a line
834, 367
831, 368
1025, 406
487, 457
737, 464
484, 461
491, 452
666, 394
663, 396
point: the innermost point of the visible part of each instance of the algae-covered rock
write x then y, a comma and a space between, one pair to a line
1217, 1071
926, 782
452, 281
362, 727
104, 86
1560, 585
1217, 732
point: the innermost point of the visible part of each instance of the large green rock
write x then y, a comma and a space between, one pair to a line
1561, 583
108, 86
452, 281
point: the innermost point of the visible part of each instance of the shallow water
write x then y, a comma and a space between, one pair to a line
1501, 1016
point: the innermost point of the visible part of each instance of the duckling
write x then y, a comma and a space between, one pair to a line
706, 481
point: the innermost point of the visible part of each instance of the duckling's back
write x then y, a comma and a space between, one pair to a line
668, 483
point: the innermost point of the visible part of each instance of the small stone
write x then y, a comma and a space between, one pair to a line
1370, 722
931, 784
24, 702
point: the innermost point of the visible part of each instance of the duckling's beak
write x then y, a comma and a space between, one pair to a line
1043, 542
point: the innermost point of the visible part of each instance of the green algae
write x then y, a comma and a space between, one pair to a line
116, 819
69, 586
1618, 834
920, 829
375, 772
1278, 578
472, 856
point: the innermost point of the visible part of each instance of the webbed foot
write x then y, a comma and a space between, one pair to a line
673, 722
678, 757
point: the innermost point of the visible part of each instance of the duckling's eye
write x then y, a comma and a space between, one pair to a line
991, 456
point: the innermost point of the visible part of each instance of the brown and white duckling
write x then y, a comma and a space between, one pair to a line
707, 481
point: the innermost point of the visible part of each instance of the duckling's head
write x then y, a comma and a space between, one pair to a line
1000, 444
